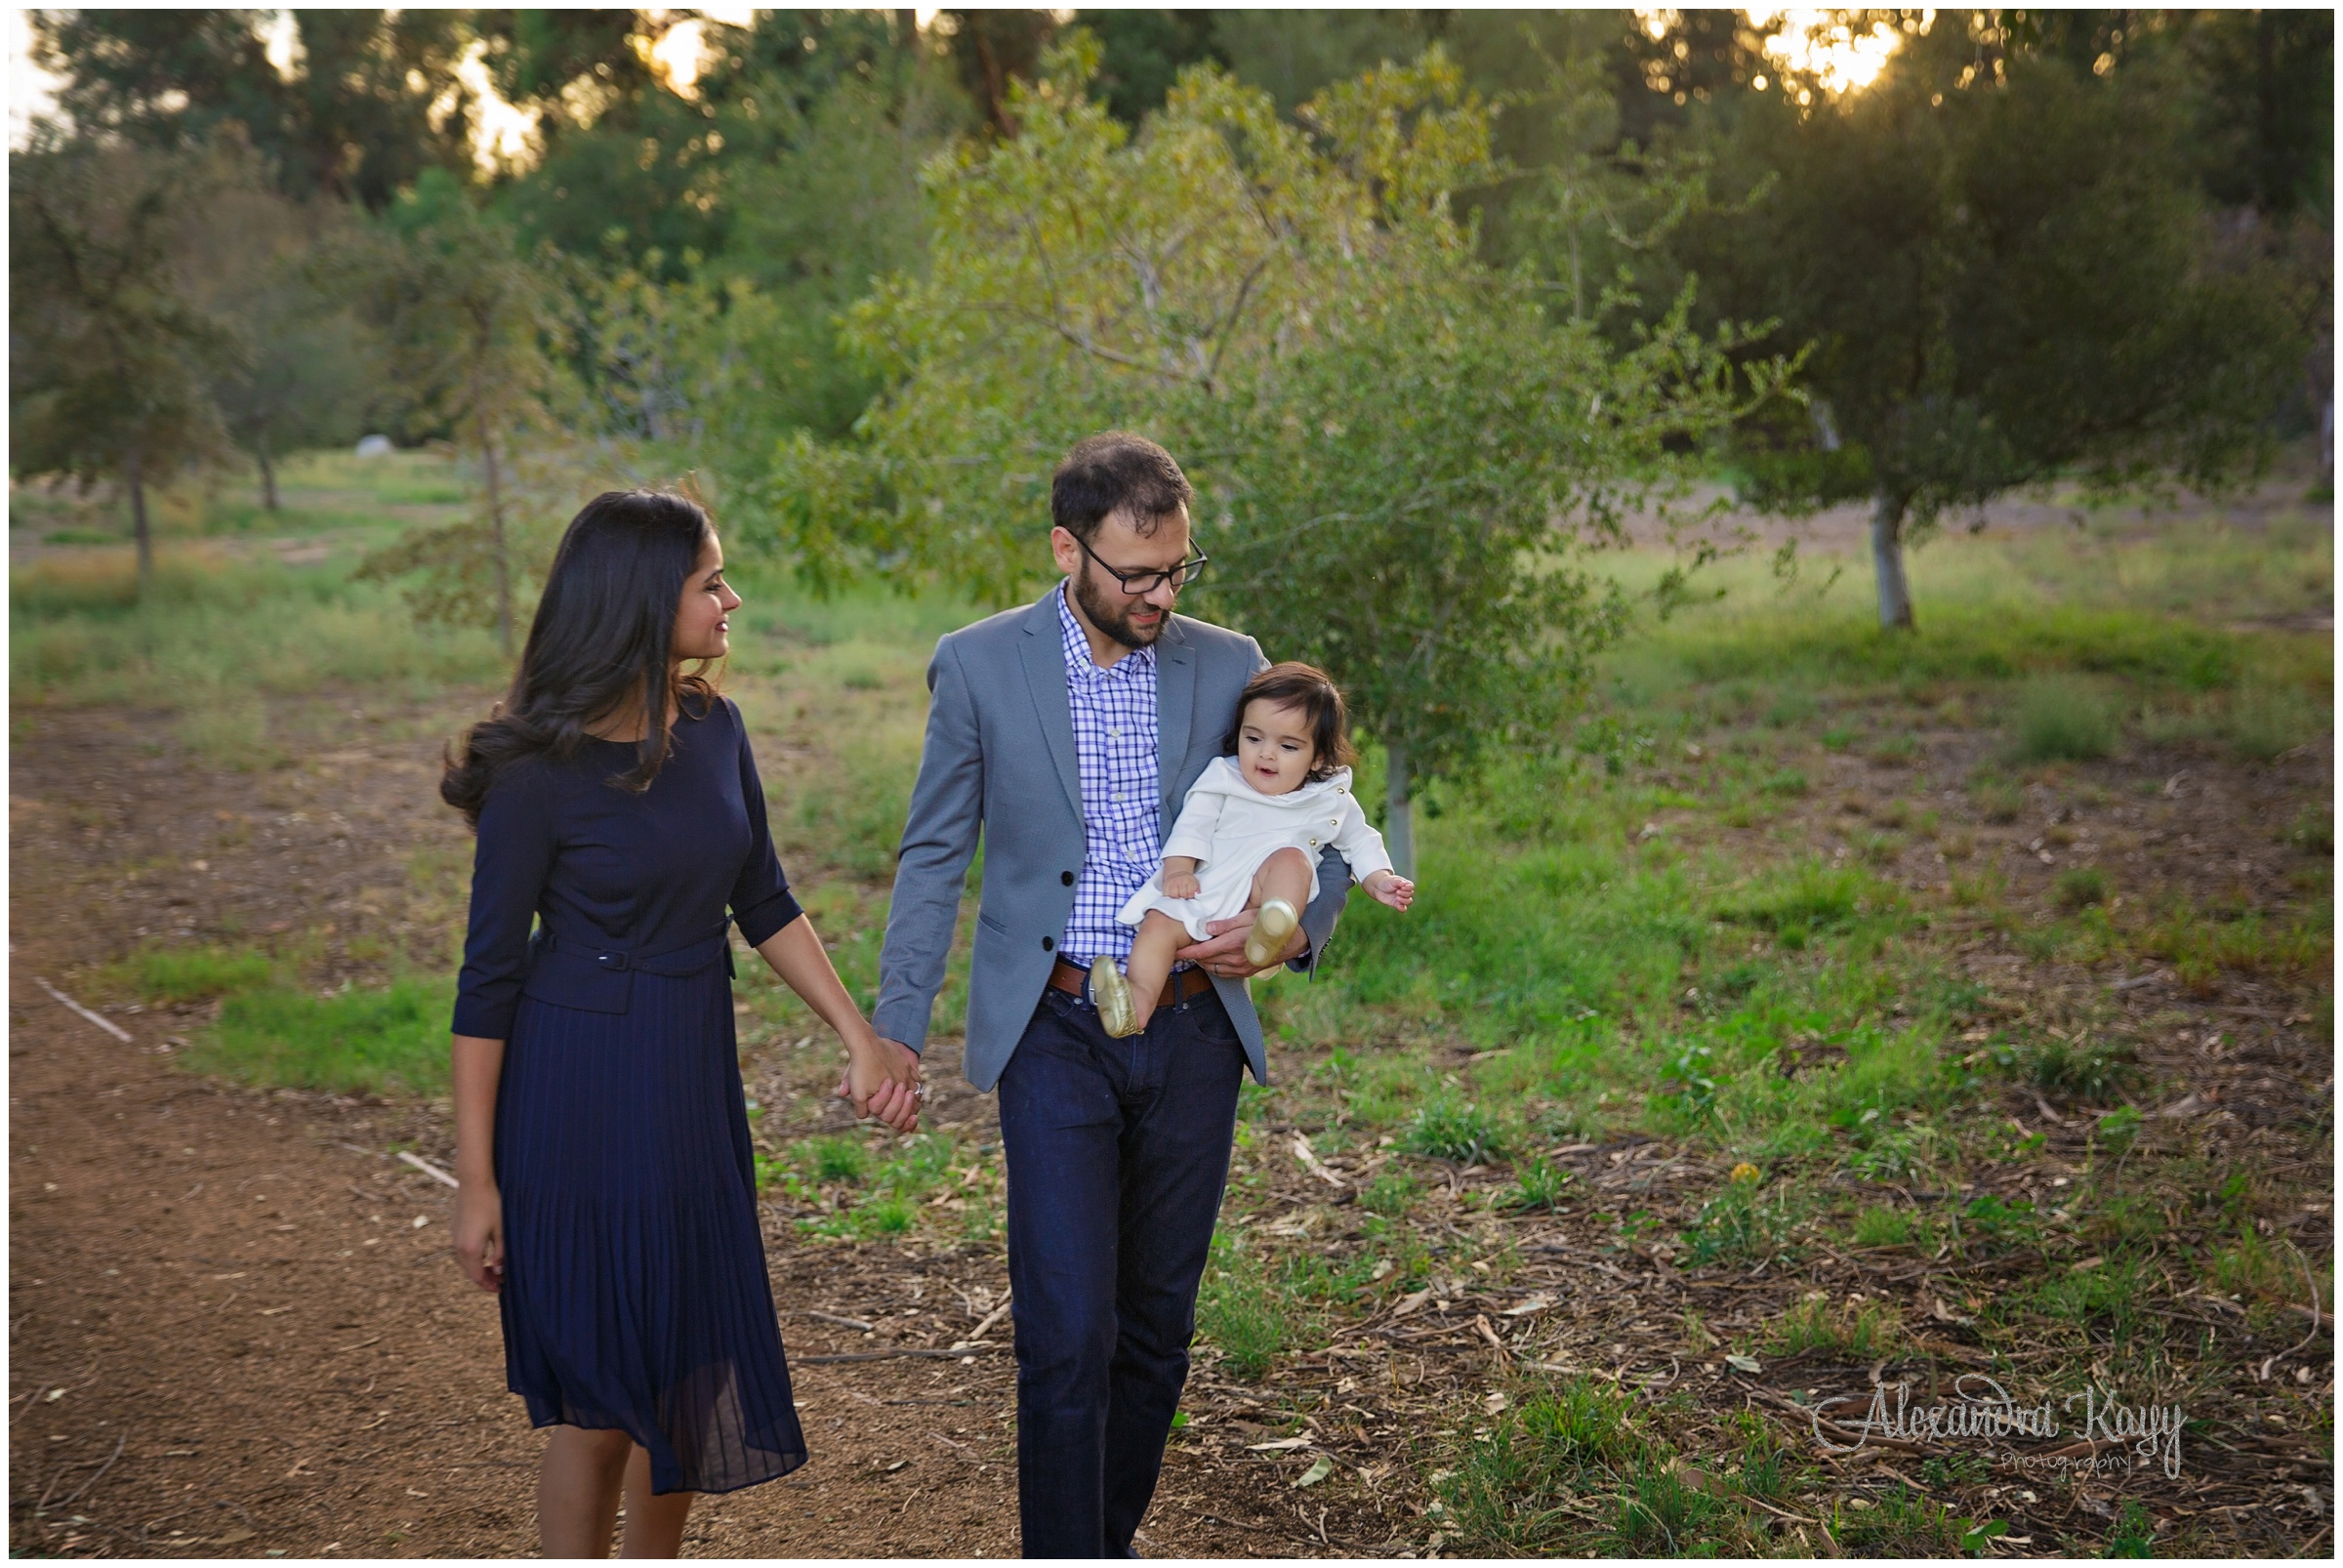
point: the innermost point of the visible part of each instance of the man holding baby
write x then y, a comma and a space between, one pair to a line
1067, 734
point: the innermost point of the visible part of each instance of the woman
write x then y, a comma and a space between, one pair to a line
602, 1146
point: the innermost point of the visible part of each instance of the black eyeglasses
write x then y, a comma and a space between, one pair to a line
1140, 584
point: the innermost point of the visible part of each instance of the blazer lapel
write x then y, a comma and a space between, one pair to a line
1175, 713
1046, 677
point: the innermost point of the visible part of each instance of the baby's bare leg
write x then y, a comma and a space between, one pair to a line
1150, 963
1284, 875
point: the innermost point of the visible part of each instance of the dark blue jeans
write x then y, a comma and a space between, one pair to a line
1118, 1154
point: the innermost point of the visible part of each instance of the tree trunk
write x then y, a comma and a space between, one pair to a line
1887, 562
134, 473
268, 474
499, 556
1399, 820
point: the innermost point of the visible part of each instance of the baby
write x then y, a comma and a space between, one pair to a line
1248, 838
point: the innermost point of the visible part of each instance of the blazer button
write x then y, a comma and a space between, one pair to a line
1049, 944
1066, 877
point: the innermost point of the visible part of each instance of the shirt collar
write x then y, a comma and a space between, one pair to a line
1078, 647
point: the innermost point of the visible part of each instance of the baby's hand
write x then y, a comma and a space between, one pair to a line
1386, 887
1180, 883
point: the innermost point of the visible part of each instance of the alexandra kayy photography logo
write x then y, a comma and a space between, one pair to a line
2106, 1433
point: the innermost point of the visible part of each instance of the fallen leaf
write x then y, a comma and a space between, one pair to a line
1317, 1473
1412, 1303
1536, 1303
1747, 1364
2088, 1264
234, 1536
1281, 1445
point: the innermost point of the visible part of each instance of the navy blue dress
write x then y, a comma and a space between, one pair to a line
635, 1293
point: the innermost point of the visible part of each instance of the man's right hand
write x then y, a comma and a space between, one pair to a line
882, 1081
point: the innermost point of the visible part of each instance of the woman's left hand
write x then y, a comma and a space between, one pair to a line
882, 1080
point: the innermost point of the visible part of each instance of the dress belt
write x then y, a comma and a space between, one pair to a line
687, 956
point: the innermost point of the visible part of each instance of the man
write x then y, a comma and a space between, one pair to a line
1069, 732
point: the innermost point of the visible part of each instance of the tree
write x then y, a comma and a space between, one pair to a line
109, 361
301, 375
465, 324
1395, 446
363, 106
2005, 273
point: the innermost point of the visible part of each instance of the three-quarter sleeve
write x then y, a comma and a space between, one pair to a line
510, 864
761, 902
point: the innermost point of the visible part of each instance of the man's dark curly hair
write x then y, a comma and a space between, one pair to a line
1116, 472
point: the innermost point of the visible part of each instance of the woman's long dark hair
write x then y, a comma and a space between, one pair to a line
600, 643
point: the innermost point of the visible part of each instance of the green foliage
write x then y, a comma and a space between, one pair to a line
2086, 1071
365, 113
1904, 1522
1858, 1332
1805, 898
464, 320
391, 1041
2073, 313
1389, 1194
1878, 1226
1508, 1479
1743, 1224
2108, 1295
109, 355
1241, 1311
2059, 719
2080, 887
2134, 1532
1348, 383
1449, 1129
1659, 1514
1538, 1185
213, 640
837, 1159
157, 974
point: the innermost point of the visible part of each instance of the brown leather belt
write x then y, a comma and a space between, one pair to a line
1182, 986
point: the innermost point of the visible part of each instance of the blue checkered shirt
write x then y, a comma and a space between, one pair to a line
1122, 828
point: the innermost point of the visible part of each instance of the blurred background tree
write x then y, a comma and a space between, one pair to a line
701, 202
110, 357
1396, 443
470, 331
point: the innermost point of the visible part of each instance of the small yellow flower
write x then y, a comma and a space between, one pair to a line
1745, 1172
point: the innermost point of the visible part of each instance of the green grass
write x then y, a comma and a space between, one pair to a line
1852, 1331
391, 1041
1508, 1482
1241, 1312
2062, 718
166, 974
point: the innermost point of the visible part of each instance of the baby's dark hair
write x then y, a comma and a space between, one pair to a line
1309, 689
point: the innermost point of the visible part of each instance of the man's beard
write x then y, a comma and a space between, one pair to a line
1112, 619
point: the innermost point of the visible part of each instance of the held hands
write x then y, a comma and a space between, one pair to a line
882, 1080
1386, 887
480, 1234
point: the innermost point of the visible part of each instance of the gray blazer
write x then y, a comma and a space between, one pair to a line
1000, 757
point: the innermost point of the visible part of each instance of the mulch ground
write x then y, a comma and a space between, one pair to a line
235, 1327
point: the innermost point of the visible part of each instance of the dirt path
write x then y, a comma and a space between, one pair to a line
234, 1326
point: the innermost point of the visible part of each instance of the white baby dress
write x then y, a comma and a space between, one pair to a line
1230, 827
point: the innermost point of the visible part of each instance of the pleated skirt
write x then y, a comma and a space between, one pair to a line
634, 1294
